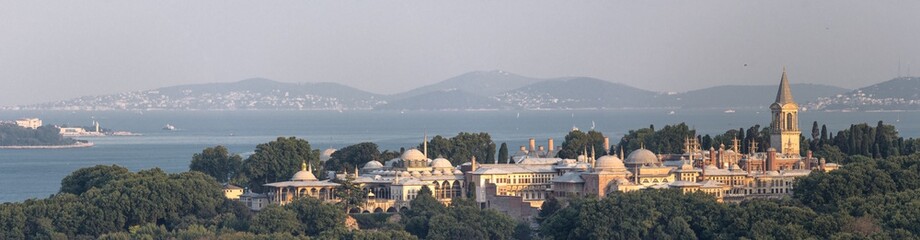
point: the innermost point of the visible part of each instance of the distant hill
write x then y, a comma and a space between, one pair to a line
444, 100
256, 93
734, 96
482, 83
475, 91
895, 94
578, 93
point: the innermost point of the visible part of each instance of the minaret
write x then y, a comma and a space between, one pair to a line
425, 145
784, 129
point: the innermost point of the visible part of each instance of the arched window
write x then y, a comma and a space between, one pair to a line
789, 121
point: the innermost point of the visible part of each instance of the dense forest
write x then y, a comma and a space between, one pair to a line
14, 135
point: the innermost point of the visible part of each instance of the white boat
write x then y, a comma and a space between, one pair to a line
169, 127
730, 111
125, 133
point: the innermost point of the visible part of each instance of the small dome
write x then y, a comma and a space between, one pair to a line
441, 163
426, 174
711, 167
457, 172
303, 175
436, 172
582, 158
416, 174
642, 157
373, 164
413, 155
404, 174
609, 162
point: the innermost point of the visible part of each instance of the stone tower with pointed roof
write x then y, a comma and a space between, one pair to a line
784, 129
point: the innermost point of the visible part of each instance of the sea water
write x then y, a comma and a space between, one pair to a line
37, 173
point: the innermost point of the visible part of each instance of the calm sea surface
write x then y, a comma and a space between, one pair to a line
37, 173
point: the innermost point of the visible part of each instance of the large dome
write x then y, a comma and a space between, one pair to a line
413, 155
303, 175
609, 162
641, 157
373, 164
441, 163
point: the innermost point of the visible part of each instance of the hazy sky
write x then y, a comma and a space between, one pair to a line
51, 50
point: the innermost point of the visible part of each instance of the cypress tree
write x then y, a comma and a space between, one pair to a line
815, 133
503, 153
823, 133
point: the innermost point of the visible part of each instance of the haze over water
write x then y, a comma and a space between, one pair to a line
37, 173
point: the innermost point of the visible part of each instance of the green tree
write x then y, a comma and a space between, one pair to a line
276, 219
669, 139
522, 232
277, 161
85, 179
503, 154
217, 162
316, 216
422, 209
347, 158
461, 148
349, 192
578, 142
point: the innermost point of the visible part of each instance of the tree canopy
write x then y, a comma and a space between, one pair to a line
217, 162
461, 148
578, 142
277, 161
350, 157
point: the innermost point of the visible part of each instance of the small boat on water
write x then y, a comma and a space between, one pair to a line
125, 133
730, 111
169, 127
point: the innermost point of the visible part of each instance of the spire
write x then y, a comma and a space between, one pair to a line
784, 95
303, 165
356, 171
426, 145
310, 168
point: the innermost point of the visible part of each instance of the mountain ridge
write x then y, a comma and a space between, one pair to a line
897, 94
475, 90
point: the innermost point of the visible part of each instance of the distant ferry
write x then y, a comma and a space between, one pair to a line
730, 111
169, 127
125, 133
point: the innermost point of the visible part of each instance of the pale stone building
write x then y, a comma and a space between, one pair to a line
519, 188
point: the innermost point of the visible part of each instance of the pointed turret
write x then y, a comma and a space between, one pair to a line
784, 94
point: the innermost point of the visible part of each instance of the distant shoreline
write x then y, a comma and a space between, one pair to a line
75, 145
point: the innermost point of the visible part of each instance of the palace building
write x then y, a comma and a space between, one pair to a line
519, 188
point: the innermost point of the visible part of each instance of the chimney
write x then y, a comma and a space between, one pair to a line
606, 144
533, 144
473, 166
712, 157
541, 148
703, 174
823, 164
552, 147
771, 159
808, 155
523, 149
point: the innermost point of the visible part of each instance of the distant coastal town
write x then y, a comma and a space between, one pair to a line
31, 133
